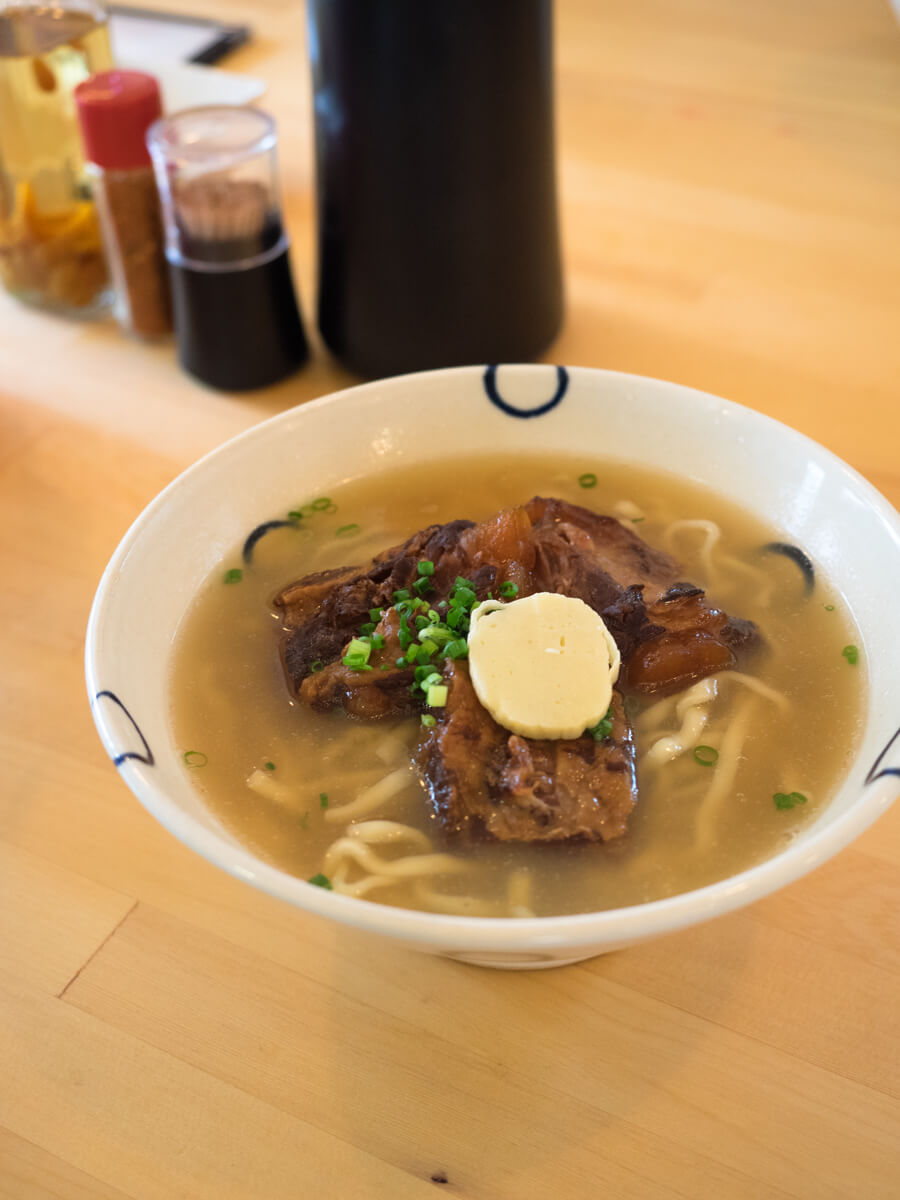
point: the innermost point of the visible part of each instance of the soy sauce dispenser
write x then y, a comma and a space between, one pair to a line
438, 241
234, 307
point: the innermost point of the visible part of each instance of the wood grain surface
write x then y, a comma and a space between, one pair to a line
730, 186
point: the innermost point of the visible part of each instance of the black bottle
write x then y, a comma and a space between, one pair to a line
438, 237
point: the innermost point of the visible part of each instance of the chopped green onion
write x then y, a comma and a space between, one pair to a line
464, 597
412, 653
235, 575
587, 480
377, 641
375, 614
195, 758
270, 766
401, 594
603, 728
426, 568
428, 647
829, 608
422, 585
357, 654
457, 648
434, 617
421, 623
323, 799
428, 721
436, 696
788, 799
508, 589
385, 667
425, 672
316, 666
706, 756
369, 627
321, 881
636, 520
455, 617
851, 653
459, 582
295, 515
347, 530
322, 503
401, 662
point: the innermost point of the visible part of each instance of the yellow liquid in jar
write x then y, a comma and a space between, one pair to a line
50, 246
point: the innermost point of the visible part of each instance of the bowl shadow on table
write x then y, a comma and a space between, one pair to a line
487, 1079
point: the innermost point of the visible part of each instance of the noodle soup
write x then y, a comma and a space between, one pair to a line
728, 769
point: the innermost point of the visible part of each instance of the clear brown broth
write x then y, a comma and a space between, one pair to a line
230, 703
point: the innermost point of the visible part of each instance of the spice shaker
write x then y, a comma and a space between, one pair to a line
115, 110
236, 318
436, 189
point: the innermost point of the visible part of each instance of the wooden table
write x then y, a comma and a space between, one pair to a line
730, 179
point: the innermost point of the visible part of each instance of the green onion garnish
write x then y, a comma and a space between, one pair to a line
195, 758
347, 530
316, 666
357, 654
375, 614
428, 721
321, 881
401, 594
436, 696
322, 503
295, 515
422, 585
412, 653
428, 647
706, 756
323, 799
457, 648
587, 480
235, 575
377, 641
385, 667
426, 568
829, 608
369, 627
788, 799
851, 653
636, 520
270, 766
401, 662
508, 589
603, 728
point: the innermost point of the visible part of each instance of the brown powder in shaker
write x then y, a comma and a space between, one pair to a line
115, 109
129, 203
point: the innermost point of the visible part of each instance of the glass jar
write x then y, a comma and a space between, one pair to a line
51, 253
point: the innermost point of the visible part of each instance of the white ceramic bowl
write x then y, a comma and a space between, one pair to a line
813, 498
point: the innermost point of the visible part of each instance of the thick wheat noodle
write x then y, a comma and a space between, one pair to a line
764, 598
692, 709
712, 532
519, 893
371, 798
456, 906
628, 511
725, 771
407, 867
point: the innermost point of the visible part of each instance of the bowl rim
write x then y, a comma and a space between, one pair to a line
624, 925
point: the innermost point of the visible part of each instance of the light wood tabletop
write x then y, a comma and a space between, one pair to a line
730, 188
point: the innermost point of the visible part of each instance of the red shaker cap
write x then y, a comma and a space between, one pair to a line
115, 109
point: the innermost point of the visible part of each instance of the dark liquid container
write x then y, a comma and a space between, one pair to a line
235, 311
238, 330
438, 237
